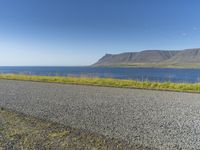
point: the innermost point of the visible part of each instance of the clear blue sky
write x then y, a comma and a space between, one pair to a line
78, 32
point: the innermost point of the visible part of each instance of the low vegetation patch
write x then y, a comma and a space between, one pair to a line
18, 131
182, 87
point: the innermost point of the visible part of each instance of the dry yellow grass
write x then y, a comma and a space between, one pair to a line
182, 87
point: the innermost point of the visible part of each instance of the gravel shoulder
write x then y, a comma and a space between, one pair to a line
158, 119
19, 131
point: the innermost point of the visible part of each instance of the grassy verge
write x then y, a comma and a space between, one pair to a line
182, 87
18, 131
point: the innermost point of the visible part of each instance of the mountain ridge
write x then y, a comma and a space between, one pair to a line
187, 58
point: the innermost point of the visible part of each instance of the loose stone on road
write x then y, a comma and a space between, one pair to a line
159, 119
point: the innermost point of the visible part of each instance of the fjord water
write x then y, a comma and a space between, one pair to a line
142, 74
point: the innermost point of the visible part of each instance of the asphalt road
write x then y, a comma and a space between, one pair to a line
159, 119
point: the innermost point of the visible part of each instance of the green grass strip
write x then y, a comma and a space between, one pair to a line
110, 82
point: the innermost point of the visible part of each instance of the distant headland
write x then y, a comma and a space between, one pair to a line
187, 58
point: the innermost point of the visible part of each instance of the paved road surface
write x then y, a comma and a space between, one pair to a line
164, 120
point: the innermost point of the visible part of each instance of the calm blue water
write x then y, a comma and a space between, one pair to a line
152, 74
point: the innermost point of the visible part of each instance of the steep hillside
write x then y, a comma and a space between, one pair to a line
186, 56
153, 58
147, 56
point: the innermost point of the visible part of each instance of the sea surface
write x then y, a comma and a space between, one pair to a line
142, 74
